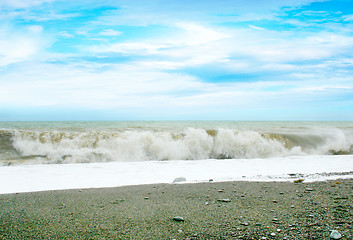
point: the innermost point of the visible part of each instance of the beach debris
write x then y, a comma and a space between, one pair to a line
335, 234
180, 231
308, 190
298, 180
224, 200
221, 190
244, 223
274, 201
273, 234
146, 198
210, 180
178, 219
179, 179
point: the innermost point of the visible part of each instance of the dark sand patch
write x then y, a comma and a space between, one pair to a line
227, 210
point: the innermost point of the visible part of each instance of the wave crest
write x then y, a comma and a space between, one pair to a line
187, 144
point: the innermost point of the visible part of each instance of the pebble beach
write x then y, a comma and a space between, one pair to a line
212, 210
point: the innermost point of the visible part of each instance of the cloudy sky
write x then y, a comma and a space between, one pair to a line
176, 60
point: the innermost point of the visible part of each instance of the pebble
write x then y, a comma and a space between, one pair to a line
335, 234
245, 223
224, 200
179, 179
298, 180
273, 234
308, 189
178, 219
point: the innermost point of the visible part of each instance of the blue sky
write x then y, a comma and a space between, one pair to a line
176, 60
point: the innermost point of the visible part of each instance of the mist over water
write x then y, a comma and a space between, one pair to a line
85, 142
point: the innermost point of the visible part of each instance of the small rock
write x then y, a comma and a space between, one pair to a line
274, 201
178, 219
273, 234
147, 198
224, 200
221, 190
335, 234
180, 231
281, 193
245, 223
211, 180
263, 238
308, 189
179, 179
279, 230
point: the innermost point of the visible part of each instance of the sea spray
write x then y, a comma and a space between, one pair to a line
155, 143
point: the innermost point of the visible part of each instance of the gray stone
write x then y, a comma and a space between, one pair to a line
178, 219
335, 234
179, 179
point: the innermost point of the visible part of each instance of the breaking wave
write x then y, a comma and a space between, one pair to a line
60, 146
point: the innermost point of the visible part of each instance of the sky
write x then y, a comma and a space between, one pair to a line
176, 60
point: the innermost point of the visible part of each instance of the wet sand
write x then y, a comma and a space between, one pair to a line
226, 210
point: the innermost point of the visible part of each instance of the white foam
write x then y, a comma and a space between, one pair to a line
29, 178
187, 144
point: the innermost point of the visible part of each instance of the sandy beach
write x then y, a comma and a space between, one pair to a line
222, 210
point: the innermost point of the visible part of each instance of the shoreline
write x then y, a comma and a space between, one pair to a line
212, 210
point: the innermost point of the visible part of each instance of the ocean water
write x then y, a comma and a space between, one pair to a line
38, 156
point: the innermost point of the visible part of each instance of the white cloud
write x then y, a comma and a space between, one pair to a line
22, 3
255, 27
22, 44
15, 49
35, 29
110, 32
65, 34
348, 17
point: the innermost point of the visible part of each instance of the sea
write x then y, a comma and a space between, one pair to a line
38, 156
